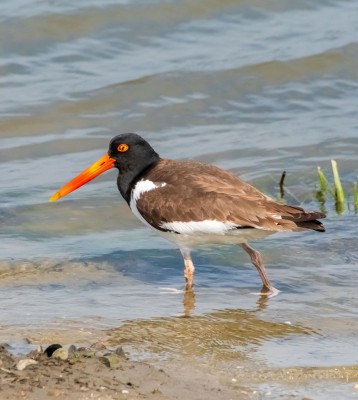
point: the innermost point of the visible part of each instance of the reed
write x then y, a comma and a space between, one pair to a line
335, 190
322, 180
282, 180
355, 196
337, 181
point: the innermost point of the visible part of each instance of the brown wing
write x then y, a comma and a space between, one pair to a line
197, 192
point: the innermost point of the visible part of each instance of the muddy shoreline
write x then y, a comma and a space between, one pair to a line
103, 371
97, 372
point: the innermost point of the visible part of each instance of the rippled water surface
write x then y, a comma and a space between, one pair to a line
256, 87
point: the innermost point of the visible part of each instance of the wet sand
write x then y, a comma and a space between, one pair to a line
88, 374
101, 370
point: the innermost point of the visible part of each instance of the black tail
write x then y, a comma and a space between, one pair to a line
314, 225
306, 219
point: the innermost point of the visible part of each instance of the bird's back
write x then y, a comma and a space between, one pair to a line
191, 191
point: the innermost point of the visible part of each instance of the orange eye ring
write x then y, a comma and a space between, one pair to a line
122, 147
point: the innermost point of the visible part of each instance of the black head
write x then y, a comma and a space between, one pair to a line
128, 152
132, 155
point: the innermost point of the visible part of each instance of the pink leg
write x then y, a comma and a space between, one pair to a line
189, 302
188, 269
256, 259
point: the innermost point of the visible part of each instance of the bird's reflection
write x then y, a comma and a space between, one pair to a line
224, 334
189, 301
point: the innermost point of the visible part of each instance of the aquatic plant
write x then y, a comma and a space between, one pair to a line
355, 196
335, 189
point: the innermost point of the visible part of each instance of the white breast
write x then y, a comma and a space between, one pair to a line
141, 187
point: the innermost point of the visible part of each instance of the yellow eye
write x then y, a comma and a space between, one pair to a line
122, 147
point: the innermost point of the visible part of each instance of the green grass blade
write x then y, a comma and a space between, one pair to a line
322, 180
337, 182
355, 196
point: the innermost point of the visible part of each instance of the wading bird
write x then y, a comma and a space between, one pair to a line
194, 204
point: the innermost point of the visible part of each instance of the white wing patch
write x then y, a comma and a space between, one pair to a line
142, 187
206, 227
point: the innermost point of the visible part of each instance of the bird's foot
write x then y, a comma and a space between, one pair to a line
164, 290
267, 292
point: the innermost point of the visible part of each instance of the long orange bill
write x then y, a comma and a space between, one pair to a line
100, 166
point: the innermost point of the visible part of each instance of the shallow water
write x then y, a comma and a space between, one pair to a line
255, 87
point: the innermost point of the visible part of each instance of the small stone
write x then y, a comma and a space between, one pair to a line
22, 364
111, 360
120, 352
125, 391
98, 346
54, 393
85, 352
72, 349
233, 380
61, 353
51, 349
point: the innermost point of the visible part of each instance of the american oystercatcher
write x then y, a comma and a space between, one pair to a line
194, 204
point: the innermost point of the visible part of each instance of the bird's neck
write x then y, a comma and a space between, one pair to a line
126, 180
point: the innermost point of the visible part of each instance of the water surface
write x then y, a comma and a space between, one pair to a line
255, 87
